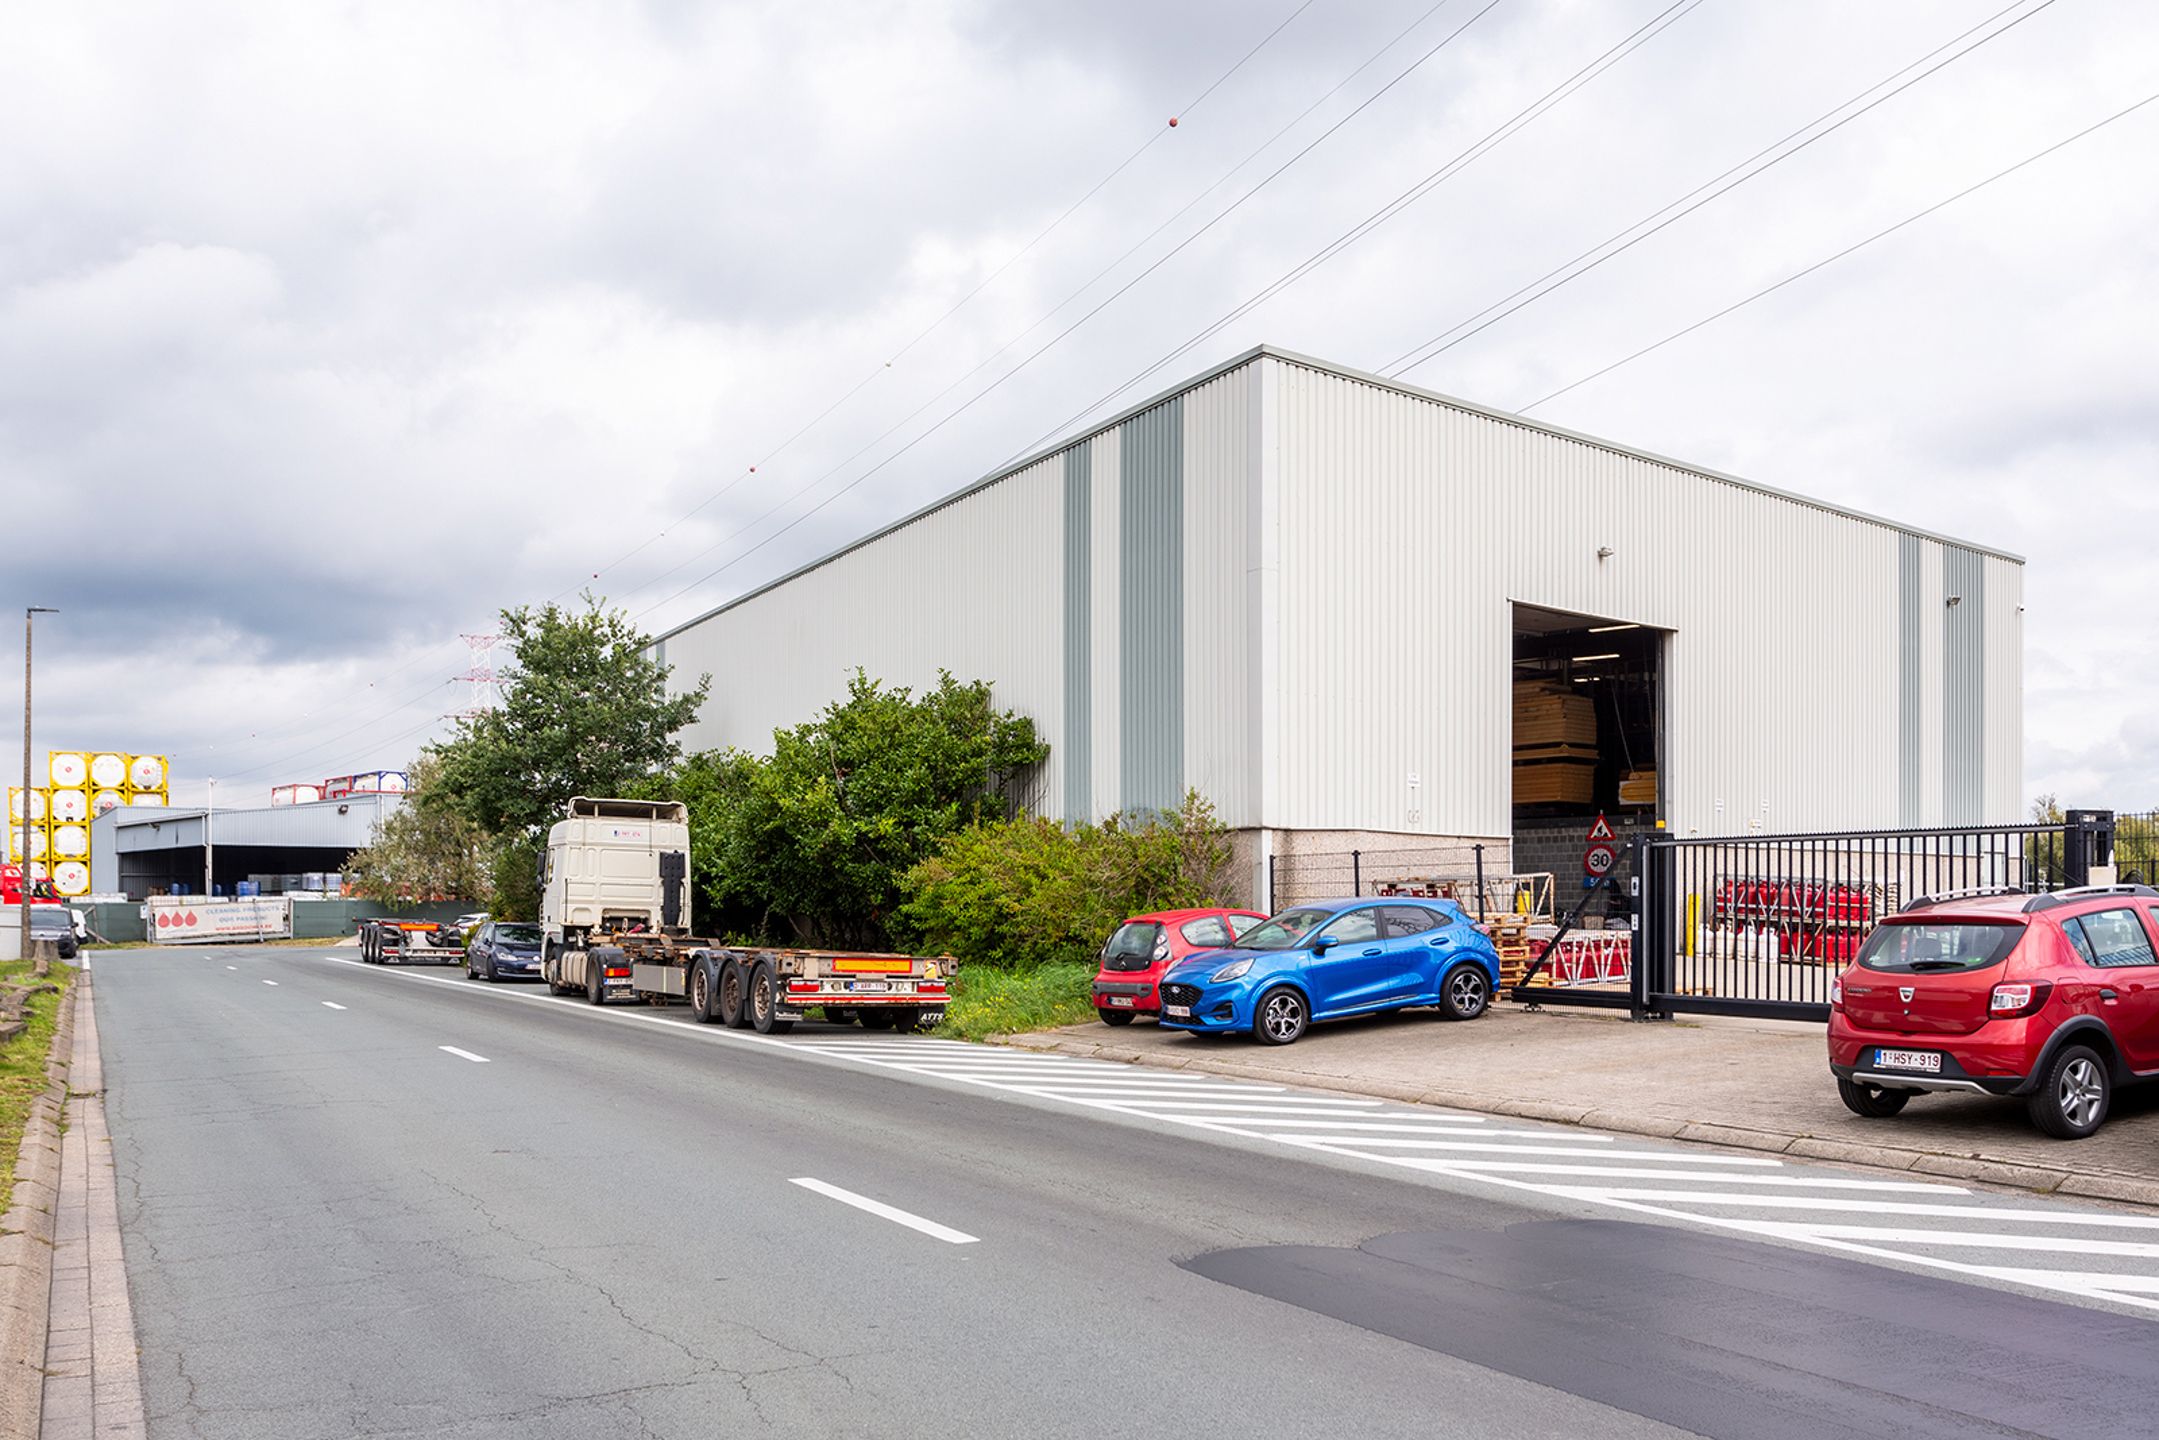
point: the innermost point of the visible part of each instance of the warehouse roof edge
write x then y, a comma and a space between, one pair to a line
1275, 352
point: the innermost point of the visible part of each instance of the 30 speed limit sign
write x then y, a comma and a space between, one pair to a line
1598, 860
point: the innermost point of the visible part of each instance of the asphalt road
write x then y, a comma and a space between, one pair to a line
360, 1201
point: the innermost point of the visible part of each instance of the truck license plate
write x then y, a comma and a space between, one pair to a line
1908, 1060
865, 986
1181, 1012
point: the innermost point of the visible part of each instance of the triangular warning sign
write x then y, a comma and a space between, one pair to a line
1600, 831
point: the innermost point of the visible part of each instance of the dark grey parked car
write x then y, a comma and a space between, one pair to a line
54, 922
502, 949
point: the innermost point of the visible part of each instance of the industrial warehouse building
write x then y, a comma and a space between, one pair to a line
274, 849
1359, 615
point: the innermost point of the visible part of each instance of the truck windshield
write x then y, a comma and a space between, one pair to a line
1939, 947
49, 920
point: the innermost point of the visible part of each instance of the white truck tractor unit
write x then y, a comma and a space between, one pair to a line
615, 921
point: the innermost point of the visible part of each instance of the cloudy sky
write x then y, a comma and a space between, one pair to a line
327, 332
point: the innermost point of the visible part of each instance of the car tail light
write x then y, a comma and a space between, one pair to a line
1836, 994
2006, 1002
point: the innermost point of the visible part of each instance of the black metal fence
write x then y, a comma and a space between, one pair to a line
1760, 925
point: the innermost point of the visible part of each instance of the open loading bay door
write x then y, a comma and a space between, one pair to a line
1588, 732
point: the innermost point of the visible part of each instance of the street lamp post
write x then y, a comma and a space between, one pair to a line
209, 845
23, 899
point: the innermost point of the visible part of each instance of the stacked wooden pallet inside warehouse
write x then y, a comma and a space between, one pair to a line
1638, 787
1555, 744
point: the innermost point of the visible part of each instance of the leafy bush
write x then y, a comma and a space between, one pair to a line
1026, 893
811, 843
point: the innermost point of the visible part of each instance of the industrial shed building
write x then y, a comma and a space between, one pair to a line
139, 852
1360, 615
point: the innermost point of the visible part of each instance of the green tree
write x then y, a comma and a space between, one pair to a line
584, 711
811, 842
426, 850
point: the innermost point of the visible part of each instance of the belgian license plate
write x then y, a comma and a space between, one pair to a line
866, 986
1925, 1060
1122, 1002
1180, 1012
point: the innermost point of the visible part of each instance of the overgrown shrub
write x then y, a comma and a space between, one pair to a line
1017, 894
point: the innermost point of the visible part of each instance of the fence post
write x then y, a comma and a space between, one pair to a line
1649, 914
1271, 858
1356, 873
2089, 841
1479, 849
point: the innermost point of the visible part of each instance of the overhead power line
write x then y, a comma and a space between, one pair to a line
1851, 249
1648, 31
1620, 243
1053, 311
1061, 335
1153, 138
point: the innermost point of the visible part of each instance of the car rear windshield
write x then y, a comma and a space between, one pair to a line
1940, 947
1132, 946
518, 934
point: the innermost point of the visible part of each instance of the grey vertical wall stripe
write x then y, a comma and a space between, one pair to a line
1078, 758
1150, 572
1911, 692
1964, 686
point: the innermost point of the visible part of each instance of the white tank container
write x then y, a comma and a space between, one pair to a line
67, 769
69, 806
17, 799
146, 772
103, 800
71, 878
71, 842
108, 770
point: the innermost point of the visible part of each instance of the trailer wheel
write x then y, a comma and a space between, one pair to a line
701, 991
595, 987
876, 1018
839, 1015
765, 1016
734, 1007
907, 1019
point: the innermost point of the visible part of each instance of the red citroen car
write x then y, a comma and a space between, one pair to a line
1146, 946
2051, 999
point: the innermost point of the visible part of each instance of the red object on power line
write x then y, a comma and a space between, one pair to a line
1172, 122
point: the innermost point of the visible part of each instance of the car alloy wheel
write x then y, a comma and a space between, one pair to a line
1467, 993
2081, 1092
1281, 1016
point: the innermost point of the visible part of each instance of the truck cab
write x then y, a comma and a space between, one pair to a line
613, 869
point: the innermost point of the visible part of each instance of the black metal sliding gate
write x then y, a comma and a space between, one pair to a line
1760, 924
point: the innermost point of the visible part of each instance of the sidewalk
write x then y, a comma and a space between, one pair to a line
93, 1386
1761, 1084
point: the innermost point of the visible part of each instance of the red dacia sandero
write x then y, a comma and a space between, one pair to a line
2052, 999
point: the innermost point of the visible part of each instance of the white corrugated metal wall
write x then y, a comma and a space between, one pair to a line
1410, 529
1349, 559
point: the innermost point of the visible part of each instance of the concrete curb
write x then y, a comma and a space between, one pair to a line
2044, 1180
26, 1239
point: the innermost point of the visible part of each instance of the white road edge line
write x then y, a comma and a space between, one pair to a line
333, 1004
889, 1212
232, 967
463, 1054
269, 982
1476, 1171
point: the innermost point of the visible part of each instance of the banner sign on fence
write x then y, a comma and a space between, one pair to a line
184, 921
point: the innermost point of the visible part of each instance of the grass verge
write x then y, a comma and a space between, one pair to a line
22, 1066
1003, 1002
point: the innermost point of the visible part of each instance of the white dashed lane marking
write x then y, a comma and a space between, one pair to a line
1930, 1225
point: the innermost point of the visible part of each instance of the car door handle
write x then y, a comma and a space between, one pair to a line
2109, 996
1373, 951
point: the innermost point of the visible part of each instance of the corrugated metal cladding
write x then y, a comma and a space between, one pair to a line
1150, 503
1293, 587
1964, 687
1078, 632
1418, 524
